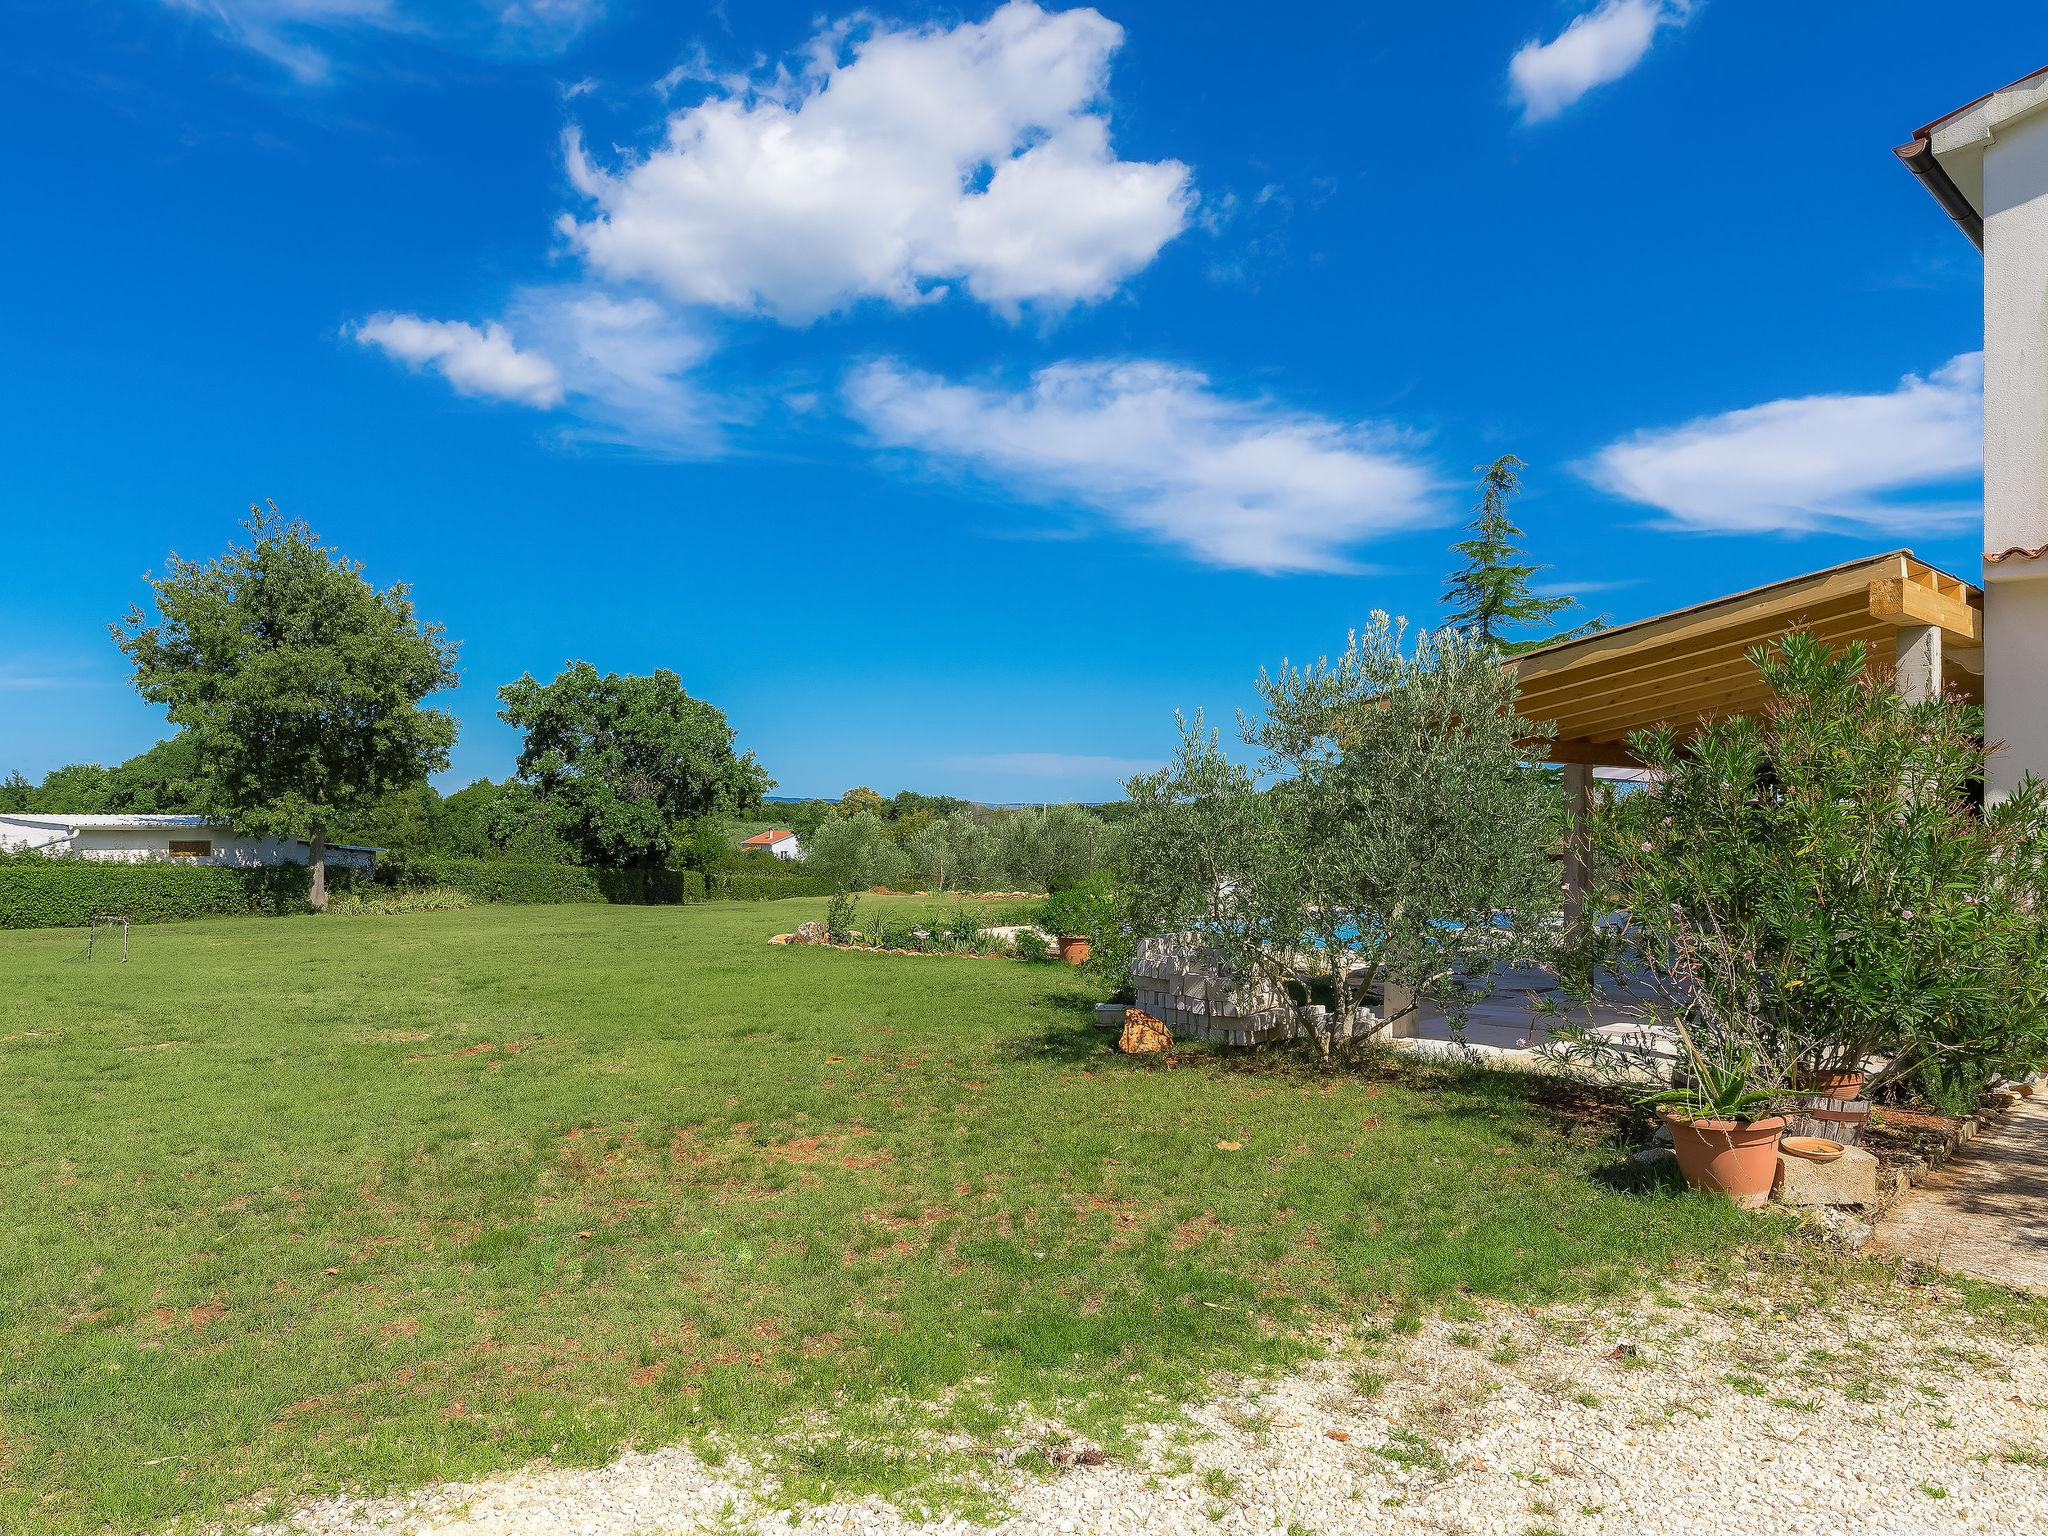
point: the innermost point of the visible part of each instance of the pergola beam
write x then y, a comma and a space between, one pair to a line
1682, 670
1901, 602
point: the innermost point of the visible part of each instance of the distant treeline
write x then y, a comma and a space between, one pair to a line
862, 839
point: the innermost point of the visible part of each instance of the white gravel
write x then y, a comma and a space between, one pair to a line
1885, 1414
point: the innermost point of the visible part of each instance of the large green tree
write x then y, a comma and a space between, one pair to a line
626, 765
296, 682
1489, 595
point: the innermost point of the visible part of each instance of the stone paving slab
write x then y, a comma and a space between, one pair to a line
1986, 1213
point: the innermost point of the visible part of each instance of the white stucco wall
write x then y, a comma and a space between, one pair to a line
2016, 336
791, 847
132, 845
2015, 204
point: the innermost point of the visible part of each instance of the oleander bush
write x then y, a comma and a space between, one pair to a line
1835, 843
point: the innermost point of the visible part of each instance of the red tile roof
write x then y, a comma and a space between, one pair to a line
767, 839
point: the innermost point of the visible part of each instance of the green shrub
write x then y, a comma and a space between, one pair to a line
39, 892
1831, 852
743, 887
495, 880
385, 902
1031, 945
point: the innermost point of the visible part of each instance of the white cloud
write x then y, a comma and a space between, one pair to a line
626, 365
887, 164
476, 361
1599, 46
1821, 461
1237, 482
301, 35
1055, 765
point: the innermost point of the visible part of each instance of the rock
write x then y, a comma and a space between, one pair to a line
1850, 1179
1841, 1231
1109, 1015
808, 933
1143, 1034
1651, 1157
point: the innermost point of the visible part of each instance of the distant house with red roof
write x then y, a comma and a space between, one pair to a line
779, 841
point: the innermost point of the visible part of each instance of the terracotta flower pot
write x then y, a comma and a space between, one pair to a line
1073, 948
1736, 1158
1829, 1084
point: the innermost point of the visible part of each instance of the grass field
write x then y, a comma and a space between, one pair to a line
300, 1203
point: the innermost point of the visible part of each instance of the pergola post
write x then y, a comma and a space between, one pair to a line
1578, 841
1916, 665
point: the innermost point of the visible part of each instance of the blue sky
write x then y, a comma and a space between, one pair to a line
952, 394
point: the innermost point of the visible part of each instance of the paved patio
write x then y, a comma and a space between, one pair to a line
1985, 1214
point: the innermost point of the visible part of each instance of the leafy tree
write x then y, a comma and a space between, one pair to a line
298, 683
1403, 838
410, 820
626, 764
862, 800
906, 803
856, 852
1051, 849
165, 780
83, 788
956, 853
16, 793
1490, 594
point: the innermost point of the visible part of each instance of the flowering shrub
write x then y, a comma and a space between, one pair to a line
1833, 851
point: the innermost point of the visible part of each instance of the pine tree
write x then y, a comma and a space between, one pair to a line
1490, 594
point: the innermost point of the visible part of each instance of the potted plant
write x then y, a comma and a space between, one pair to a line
1072, 916
1723, 1127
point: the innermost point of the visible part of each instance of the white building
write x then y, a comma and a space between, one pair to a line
780, 841
1987, 165
136, 839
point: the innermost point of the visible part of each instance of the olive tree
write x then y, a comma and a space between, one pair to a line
297, 683
1390, 826
856, 852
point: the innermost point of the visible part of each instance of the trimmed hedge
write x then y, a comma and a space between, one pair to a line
765, 887
36, 892
493, 880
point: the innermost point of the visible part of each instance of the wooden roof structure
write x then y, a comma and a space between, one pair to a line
1685, 668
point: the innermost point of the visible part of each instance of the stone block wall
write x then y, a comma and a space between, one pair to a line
1183, 982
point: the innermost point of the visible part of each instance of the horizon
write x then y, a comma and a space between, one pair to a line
1134, 367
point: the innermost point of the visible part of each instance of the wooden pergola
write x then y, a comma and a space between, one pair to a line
1923, 627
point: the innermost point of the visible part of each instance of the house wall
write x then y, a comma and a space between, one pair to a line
789, 848
2016, 448
134, 845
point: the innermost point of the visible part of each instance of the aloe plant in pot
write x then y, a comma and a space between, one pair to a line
1724, 1126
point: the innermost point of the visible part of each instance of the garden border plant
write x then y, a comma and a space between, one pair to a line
1828, 861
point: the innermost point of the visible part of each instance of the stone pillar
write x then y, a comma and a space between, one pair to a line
1578, 841
1916, 664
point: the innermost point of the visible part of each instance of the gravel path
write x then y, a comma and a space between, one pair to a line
1699, 1413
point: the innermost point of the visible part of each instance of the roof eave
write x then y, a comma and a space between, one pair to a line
1918, 156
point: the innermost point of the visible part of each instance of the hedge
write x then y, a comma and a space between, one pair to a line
493, 880
37, 892
766, 887
68, 893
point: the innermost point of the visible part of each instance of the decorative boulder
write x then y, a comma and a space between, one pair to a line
808, 933
1143, 1034
1850, 1179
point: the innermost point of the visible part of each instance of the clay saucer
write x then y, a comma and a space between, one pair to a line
1815, 1149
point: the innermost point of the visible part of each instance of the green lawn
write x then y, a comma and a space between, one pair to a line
298, 1203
